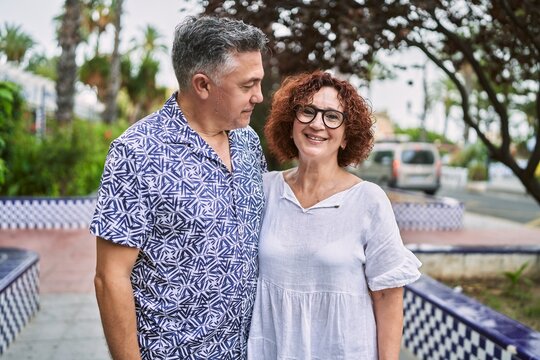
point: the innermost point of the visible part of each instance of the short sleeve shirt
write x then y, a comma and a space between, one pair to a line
167, 193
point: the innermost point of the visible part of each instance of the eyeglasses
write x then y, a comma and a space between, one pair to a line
332, 119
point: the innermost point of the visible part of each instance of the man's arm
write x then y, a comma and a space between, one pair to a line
388, 307
114, 295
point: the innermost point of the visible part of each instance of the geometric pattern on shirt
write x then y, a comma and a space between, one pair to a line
166, 192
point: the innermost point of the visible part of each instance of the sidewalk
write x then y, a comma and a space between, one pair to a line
67, 326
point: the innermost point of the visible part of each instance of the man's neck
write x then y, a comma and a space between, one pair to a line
216, 138
197, 118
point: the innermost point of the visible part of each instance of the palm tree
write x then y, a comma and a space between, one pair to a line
140, 81
68, 38
149, 44
95, 72
450, 100
115, 75
42, 65
141, 86
96, 16
14, 42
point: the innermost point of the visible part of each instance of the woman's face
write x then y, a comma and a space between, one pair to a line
315, 141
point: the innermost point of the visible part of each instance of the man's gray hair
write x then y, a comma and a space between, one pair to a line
207, 44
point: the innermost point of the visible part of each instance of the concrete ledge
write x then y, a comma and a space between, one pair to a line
467, 261
442, 324
19, 292
476, 186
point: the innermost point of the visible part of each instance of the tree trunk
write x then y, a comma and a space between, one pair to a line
446, 120
69, 38
467, 72
113, 87
529, 182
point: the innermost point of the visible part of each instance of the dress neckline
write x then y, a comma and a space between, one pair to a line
333, 201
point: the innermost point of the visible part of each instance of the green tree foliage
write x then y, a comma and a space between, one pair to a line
498, 40
95, 72
96, 16
14, 42
139, 78
140, 84
149, 44
475, 158
416, 134
42, 65
11, 103
67, 160
138, 72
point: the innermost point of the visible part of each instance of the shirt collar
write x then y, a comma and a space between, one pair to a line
175, 127
176, 130
333, 201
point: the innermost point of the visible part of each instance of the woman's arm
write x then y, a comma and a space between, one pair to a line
388, 307
114, 295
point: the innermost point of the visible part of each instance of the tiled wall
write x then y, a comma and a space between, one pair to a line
46, 213
437, 214
442, 324
67, 213
19, 292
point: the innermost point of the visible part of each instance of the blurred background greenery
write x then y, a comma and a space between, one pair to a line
487, 52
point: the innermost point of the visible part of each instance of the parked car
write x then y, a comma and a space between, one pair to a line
408, 166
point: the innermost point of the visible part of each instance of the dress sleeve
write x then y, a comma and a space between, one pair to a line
389, 263
121, 214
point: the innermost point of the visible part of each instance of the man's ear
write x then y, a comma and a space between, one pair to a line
201, 85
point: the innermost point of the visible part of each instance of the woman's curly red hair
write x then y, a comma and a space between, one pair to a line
299, 90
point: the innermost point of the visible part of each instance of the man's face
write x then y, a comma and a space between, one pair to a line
238, 91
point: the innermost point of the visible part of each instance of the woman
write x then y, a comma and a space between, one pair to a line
331, 261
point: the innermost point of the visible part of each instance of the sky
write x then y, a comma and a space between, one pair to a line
401, 100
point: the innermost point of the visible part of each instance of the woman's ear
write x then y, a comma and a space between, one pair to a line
201, 85
343, 143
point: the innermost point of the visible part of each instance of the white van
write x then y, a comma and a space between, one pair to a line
409, 166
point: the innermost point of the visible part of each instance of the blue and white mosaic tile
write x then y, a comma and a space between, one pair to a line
46, 213
442, 324
19, 292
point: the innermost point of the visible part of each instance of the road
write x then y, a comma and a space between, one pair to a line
516, 207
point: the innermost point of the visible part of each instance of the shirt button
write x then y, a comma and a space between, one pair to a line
241, 231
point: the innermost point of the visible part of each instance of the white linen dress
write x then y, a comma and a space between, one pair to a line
316, 267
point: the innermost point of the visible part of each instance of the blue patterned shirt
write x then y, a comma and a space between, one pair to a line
165, 191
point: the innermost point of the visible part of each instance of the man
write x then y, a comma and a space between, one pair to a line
180, 203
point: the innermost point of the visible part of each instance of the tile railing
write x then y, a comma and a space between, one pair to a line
430, 213
441, 324
19, 292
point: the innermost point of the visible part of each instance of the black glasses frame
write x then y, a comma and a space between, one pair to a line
300, 108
